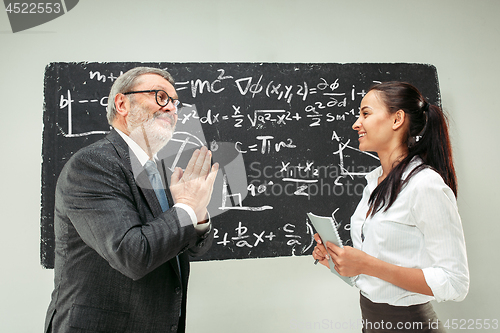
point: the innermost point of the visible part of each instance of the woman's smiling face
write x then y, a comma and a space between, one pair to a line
375, 124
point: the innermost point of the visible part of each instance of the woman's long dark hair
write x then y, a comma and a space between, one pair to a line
427, 137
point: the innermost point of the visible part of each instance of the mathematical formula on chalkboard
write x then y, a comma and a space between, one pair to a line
283, 132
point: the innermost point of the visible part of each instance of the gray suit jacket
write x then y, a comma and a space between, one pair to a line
115, 257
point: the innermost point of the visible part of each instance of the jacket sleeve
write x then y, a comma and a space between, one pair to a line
436, 214
101, 200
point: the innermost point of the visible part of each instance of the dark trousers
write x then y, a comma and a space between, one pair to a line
385, 318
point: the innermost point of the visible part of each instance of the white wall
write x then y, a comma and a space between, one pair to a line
459, 37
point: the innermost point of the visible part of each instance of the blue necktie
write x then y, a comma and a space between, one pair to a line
155, 179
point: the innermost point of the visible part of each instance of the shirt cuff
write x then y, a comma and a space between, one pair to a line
440, 285
200, 228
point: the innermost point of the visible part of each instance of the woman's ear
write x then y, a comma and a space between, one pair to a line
399, 118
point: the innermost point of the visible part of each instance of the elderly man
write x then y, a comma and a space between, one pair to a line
122, 237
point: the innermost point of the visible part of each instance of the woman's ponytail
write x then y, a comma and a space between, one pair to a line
435, 147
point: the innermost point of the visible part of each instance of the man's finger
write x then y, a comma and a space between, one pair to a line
206, 164
192, 162
213, 173
176, 176
200, 161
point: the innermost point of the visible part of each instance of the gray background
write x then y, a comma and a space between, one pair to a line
461, 38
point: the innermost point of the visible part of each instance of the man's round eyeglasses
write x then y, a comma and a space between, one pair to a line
162, 98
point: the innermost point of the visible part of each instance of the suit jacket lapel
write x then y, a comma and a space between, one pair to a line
144, 185
165, 175
142, 180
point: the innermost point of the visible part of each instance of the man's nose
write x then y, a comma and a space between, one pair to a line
170, 108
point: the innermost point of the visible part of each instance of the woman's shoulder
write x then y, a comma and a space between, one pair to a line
429, 174
421, 173
428, 183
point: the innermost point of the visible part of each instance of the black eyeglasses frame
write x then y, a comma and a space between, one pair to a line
176, 102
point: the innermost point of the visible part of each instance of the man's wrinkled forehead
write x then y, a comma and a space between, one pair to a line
154, 81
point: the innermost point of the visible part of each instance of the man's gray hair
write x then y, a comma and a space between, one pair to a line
127, 82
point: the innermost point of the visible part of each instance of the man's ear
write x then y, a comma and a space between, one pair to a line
399, 118
122, 104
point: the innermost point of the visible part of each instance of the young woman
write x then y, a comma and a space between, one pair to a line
408, 243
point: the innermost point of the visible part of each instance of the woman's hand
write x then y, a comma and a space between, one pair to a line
348, 260
320, 253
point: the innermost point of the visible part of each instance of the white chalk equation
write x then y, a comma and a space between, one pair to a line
236, 200
249, 237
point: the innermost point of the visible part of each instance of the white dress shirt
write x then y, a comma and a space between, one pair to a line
422, 229
143, 157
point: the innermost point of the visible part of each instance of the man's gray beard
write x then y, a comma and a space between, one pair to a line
148, 130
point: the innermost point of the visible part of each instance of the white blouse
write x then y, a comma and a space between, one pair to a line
422, 229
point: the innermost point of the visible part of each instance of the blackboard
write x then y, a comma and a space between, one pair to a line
287, 125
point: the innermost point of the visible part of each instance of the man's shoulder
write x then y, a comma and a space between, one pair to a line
102, 146
105, 149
